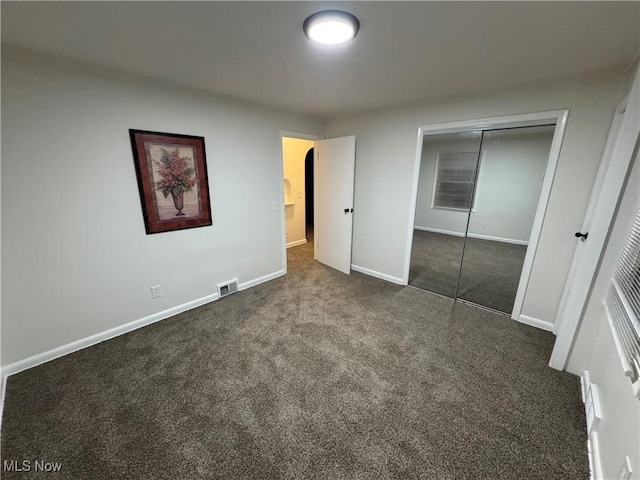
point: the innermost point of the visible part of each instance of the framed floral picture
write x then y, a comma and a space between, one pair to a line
172, 179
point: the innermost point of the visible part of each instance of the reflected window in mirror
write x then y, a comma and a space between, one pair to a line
454, 180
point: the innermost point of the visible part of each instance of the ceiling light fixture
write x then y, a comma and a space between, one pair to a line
331, 27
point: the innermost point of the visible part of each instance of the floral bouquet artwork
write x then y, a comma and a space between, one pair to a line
172, 179
177, 177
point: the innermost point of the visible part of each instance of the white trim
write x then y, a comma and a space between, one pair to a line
519, 120
595, 464
413, 205
259, 280
83, 343
438, 230
541, 210
601, 210
302, 136
593, 447
595, 194
559, 117
473, 235
585, 382
535, 322
498, 239
380, 275
3, 390
296, 243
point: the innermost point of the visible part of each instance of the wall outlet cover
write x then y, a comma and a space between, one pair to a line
156, 291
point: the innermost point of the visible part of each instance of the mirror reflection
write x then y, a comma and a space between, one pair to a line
512, 166
478, 192
445, 196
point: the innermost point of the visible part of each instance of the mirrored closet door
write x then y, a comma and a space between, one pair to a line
445, 197
478, 193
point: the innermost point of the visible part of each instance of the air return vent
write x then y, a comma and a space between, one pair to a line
227, 288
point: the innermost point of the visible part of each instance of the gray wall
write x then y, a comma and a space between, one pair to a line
74, 246
508, 187
385, 160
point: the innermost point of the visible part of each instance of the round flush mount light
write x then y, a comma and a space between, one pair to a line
331, 27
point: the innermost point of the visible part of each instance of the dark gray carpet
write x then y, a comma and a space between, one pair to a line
314, 375
435, 262
490, 271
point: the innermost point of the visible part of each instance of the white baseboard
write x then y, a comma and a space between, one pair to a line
593, 447
499, 239
263, 279
585, 382
296, 243
438, 230
473, 235
536, 322
373, 273
3, 388
58, 352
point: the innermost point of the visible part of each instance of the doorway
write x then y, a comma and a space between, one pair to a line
324, 189
480, 194
308, 193
298, 195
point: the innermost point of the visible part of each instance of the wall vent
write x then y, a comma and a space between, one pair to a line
227, 288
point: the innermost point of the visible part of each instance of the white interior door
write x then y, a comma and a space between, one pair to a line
601, 211
334, 170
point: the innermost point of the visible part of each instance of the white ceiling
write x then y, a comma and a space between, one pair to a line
405, 52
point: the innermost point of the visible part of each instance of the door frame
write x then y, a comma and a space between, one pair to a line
573, 280
559, 118
601, 212
283, 221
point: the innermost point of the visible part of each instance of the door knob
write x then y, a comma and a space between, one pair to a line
582, 235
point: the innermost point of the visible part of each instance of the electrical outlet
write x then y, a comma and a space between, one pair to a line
484, 226
274, 206
156, 291
625, 471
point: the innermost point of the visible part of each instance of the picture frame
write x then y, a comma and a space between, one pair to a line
171, 170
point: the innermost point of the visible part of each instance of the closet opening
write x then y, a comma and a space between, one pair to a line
480, 195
